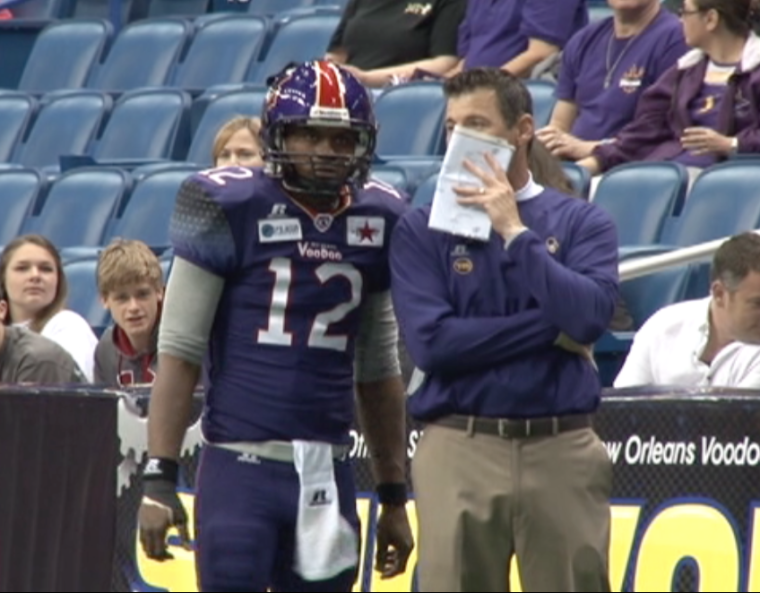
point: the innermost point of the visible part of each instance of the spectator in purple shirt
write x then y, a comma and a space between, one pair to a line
605, 68
516, 35
705, 107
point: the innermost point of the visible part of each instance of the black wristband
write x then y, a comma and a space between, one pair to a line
392, 493
161, 468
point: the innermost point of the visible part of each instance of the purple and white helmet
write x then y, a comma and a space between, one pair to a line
318, 93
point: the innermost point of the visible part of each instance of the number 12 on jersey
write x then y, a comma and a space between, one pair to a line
275, 332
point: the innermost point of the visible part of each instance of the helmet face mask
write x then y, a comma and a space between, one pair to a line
311, 105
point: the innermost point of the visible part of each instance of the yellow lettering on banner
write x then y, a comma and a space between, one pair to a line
177, 574
688, 531
363, 506
625, 520
402, 582
681, 531
753, 541
514, 576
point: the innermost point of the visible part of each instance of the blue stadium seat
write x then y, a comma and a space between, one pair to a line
81, 275
65, 124
19, 191
146, 125
65, 54
42, 10
299, 39
392, 175
423, 195
270, 7
641, 197
16, 113
647, 294
724, 200
579, 176
143, 55
183, 8
219, 110
103, 9
222, 52
147, 213
79, 206
542, 93
410, 119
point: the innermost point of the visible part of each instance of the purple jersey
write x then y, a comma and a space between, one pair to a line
280, 359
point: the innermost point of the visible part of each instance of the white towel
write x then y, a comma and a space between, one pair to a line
326, 544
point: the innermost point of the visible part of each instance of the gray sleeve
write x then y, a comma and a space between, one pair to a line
192, 296
51, 369
377, 342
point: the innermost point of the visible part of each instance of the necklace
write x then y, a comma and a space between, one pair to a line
611, 69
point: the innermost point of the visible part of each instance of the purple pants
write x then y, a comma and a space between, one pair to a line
245, 522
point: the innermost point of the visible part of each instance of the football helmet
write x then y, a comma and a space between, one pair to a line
315, 94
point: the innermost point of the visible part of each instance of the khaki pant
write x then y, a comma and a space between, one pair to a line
482, 498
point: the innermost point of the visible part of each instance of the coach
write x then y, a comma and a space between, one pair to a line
509, 462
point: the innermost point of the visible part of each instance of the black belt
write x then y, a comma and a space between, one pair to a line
516, 429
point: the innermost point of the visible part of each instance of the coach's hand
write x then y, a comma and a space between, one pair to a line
394, 541
160, 510
567, 343
495, 196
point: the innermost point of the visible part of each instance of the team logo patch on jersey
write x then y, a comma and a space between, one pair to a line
463, 265
365, 231
552, 245
323, 222
280, 229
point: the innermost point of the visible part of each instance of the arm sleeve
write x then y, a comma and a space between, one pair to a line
336, 41
673, 48
443, 37
649, 127
52, 368
749, 137
377, 341
578, 295
551, 21
189, 310
199, 229
436, 338
566, 89
463, 31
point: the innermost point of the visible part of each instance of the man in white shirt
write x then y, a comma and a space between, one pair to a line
707, 342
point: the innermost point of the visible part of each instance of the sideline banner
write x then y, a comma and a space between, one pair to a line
686, 502
58, 460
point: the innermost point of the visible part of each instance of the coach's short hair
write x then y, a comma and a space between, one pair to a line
735, 259
513, 96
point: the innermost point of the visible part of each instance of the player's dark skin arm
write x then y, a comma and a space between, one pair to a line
381, 407
171, 402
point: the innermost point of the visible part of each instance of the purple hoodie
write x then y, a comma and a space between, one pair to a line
663, 111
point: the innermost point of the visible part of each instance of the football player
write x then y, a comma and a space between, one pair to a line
280, 287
